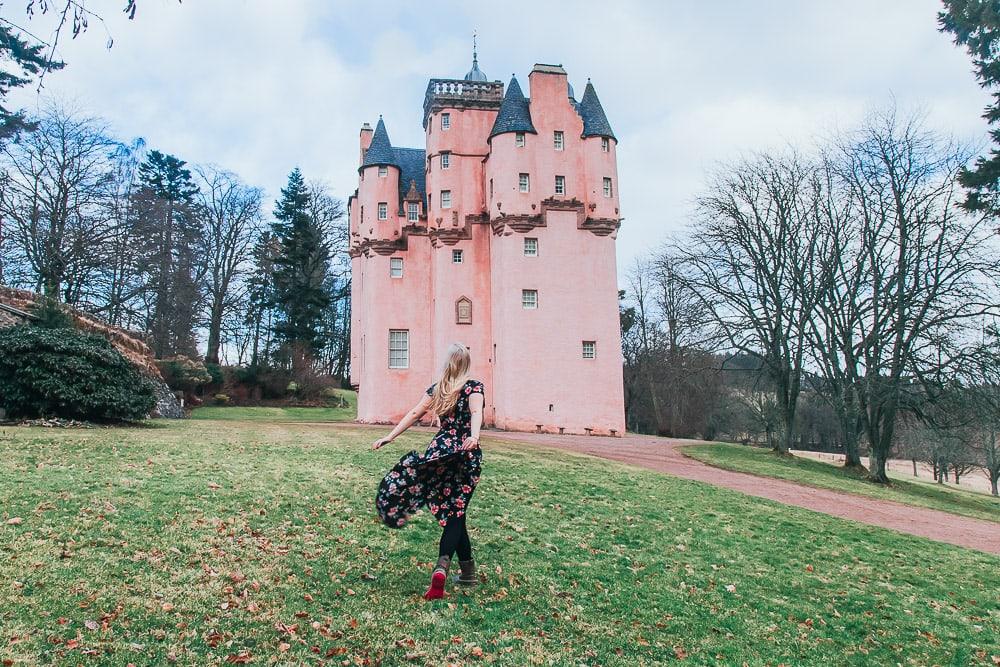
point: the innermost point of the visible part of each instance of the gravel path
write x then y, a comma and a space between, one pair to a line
663, 455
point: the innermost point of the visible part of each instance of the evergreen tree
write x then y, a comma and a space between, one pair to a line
28, 60
975, 24
300, 273
170, 233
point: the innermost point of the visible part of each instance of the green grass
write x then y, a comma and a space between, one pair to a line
811, 472
197, 541
280, 414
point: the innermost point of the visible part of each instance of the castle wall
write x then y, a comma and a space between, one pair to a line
541, 376
531, 360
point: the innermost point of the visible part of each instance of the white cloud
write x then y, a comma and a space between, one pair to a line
260, 87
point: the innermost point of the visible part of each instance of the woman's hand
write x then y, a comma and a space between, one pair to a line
470, 443
381, 442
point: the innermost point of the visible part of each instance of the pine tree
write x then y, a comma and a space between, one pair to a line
300, 273
170, 231
975, 25
29, 60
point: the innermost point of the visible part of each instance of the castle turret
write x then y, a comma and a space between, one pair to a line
601, 167
511, 162
378, 192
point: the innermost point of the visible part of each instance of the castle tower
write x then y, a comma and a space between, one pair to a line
498, 234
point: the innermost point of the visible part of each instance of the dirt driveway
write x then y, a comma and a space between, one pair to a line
663, 455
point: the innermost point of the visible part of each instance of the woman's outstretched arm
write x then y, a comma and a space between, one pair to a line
476, 408
415, 413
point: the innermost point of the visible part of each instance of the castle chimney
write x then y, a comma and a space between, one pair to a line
366, 141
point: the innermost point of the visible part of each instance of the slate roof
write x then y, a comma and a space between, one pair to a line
514, 114
380, 150
409, 161
411, 167
595, 122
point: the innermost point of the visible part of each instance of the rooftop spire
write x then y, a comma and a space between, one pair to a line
595, 121
380, 150
475, 74
514, 114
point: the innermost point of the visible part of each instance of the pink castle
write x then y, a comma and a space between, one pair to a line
499, 234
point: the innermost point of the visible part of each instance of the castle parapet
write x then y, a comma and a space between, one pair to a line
461, 94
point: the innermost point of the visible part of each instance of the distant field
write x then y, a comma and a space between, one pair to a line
214, 542
812, 472
281, 414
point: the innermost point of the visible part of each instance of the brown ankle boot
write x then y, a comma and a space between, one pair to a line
468, 573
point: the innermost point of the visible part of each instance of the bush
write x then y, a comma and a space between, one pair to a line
69, 374
183, 374
221, 399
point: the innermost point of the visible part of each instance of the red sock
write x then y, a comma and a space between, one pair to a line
436, 590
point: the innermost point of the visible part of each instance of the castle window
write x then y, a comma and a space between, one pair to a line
412, 211
456, 256
589, 349
529, 299
446, 199
519, 139
530, 247
383, 211
445, 121
607, 187
383, 171
491, 188
399, 348
524, 185
445, 160
605, 144
557, 140
463, 311
395, 267
560, 185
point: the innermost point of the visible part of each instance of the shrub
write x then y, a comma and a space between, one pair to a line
183, 374
221, 399
69, 374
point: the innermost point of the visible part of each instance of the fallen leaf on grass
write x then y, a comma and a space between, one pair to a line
90, 625
241, 658
213, 486
15, 521
680, 653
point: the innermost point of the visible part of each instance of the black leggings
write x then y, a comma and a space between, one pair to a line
455, 538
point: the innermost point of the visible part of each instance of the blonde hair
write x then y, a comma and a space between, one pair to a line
453, 378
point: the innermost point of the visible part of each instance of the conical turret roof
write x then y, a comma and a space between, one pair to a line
514, 114
595, 122
380, 150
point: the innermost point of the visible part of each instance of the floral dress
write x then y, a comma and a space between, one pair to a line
442, 478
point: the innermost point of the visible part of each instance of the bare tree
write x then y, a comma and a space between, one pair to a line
56, 183
911, 272
231, 220
753, 259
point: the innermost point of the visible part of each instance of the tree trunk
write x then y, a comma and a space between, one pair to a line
214, 333
914, 467
995, 482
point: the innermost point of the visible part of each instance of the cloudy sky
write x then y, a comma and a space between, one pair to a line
261, 86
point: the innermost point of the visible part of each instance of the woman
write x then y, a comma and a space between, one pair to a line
443, 477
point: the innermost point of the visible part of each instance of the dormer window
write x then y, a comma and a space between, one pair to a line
383, 171
557, 140
607, 187
412, 211
560, 185
383, 210
445, 121
523, 183
519, 139
605, 144
445, 160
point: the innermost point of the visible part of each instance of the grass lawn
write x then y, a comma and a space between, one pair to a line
281, 414
763, 462
247, 541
